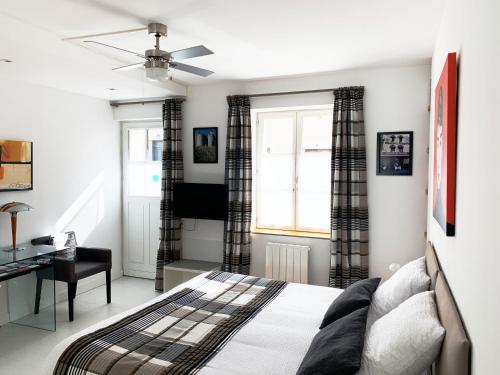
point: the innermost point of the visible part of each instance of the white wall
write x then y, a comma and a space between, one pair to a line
205, 106
76, 169
470, 259
396, 98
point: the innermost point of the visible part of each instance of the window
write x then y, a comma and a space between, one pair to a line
145, 148
293, 170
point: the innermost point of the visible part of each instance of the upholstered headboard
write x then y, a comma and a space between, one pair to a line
432, 264
454, 358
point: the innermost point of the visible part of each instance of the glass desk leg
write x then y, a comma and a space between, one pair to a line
24, 298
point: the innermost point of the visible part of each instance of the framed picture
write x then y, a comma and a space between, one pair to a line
445, 146
205, 145
395, 153
16, 165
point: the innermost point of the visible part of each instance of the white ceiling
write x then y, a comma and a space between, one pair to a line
251, 39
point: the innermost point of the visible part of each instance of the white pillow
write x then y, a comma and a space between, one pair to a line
409, 280
406, 341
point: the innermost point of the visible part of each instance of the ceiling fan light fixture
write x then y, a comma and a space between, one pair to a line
156, 74
156, 70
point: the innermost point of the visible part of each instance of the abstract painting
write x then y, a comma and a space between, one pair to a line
16, 162
205, 145
445, 146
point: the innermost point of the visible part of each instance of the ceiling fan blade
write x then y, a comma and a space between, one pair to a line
105, 34
188, 53
191, 69
129, 67
117, 48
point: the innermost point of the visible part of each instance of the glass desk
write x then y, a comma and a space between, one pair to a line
21, 269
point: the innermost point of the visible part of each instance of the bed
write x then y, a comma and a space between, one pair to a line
454, 358
273, 337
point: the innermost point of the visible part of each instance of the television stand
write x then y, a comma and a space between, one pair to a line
180, 271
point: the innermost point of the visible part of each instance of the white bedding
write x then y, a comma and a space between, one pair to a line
273, 342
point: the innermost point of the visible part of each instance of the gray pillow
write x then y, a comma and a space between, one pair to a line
354, 297
337, 348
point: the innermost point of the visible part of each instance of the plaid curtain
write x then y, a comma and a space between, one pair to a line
349, 196
238, 177
172, 172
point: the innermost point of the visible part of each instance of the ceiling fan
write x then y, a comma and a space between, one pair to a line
158, 63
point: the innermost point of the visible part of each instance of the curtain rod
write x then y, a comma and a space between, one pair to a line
116, 103
290, 92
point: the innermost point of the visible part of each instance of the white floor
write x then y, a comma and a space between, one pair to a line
23, 349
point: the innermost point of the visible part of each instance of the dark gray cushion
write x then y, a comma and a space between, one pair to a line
337, 348
85, 269
354, 297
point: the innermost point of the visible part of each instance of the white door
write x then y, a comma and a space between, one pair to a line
142, 153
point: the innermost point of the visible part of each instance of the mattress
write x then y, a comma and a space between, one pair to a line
273, 342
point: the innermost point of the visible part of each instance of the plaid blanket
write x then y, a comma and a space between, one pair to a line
177, 335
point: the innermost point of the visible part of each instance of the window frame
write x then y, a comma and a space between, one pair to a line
297, 135
126, 126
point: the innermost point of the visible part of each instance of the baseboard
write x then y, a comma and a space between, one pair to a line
61, 290
141, 274
4, 319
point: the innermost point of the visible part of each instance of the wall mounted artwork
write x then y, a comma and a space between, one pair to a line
16, 165
445, 146
395, 153
205, 145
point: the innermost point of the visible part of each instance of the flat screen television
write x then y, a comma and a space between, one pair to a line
200, 201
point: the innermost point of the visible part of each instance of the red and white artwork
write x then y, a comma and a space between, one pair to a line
445, 146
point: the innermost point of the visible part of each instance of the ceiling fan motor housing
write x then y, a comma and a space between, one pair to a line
156, 64
157, 28
157, 54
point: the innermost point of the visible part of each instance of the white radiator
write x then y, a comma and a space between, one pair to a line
287, 262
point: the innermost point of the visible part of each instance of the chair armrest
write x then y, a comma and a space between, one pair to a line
94, 254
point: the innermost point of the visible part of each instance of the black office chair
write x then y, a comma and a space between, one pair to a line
70, 269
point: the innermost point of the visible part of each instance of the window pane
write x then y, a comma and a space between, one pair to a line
314, 211
144, 179
316, 130
276, 209
313, 192
278, 134
277, 173
276, 170
136, 176
153, 180
137, 144
156, 150
155, 144
314, 171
